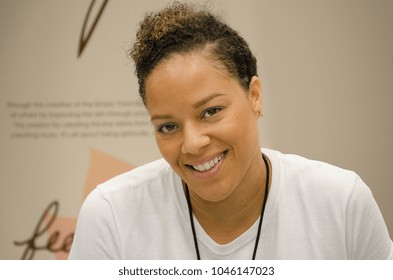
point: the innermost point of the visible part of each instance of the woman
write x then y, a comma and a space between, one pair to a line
216, 194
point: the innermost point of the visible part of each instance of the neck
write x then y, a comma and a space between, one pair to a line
226, 220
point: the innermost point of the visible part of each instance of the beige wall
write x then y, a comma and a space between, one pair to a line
328, 73
326, 68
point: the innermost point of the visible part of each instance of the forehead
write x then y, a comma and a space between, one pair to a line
186, 79
184, 73
188, 62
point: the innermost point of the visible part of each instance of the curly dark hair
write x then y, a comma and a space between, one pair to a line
184, 28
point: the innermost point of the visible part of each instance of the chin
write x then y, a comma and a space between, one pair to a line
214, 195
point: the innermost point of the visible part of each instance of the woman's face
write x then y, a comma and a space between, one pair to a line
205, 124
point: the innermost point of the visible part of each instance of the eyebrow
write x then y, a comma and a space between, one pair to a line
205, 100
198, 104
160, 117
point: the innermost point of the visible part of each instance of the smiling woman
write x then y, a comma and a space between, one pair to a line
201, 115
216, 194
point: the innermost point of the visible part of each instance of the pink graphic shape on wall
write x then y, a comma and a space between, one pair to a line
101, 167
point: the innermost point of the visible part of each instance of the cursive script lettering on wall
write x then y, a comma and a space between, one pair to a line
86, 33
42, 227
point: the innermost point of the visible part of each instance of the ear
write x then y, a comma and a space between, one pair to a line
255, 96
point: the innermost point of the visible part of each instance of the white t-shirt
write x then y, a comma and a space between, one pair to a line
314, 211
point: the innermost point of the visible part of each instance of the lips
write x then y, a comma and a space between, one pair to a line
206, 164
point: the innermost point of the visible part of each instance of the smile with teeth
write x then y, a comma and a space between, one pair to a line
208, 165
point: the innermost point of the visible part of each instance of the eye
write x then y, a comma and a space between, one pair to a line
167, 128
211, 112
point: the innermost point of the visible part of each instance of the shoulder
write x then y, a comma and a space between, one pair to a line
293, 166
330, 201
140, 174
149, 181
313, 177
157, 172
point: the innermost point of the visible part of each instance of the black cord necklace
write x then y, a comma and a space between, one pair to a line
260, 219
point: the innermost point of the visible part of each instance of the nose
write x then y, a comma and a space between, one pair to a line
194, 139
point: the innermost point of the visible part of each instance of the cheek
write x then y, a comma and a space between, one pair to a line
161, 145
238, 126
240, 131
169, 150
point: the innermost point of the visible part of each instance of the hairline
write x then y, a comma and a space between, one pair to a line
207, 50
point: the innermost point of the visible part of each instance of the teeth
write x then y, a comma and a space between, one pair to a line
208, 165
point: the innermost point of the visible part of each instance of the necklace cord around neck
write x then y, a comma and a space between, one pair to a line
187, 193
192, 222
